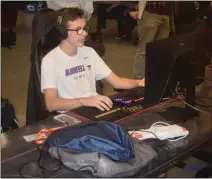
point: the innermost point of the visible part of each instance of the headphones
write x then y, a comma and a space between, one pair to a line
61, 28
62, 19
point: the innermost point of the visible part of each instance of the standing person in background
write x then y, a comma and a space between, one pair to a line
116, 10
86, 5
153, 25
9, 14
186, 13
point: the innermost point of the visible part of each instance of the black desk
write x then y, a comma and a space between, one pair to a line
16, 152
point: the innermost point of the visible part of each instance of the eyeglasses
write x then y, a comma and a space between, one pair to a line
80, 31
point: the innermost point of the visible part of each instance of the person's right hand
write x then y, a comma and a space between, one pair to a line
101, 102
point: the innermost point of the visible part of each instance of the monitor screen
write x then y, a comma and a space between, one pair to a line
170, 62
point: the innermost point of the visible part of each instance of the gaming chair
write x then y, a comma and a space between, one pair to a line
44, 39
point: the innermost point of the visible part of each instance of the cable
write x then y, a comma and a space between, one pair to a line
15, 176
166, 124
167, 81
155, 124
160, 122
144, 131
173, 140
150, 132
95, 171
39, 165
67, 123
132, 133
21, 168
171, 71
191, 105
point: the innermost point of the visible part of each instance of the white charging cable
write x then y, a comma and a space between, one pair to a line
158, 124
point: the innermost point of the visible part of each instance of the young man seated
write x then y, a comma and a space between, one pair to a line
69, 72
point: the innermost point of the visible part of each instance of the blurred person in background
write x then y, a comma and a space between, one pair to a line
86, 5
154, 23
118, 10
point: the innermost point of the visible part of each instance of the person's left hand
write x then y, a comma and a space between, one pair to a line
141, 83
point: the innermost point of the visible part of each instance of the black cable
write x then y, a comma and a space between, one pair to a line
150, 132
86, 167
61, 163
67, 123
43, 172
175, 56
21, 168
42, 167
15, 176
192, 106
167, 81
60, 158
132, 133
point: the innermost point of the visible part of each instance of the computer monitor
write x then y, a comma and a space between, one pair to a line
172, 63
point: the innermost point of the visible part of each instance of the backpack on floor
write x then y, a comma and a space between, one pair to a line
8, 37
8, 117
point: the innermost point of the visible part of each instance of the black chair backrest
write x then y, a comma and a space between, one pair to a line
44, 39
49, 41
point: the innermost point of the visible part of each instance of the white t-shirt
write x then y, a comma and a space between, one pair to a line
73, 76
86, 5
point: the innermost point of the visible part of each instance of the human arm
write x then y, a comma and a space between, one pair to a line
104, 72
138, 14
54, 103
134, 14
124, 83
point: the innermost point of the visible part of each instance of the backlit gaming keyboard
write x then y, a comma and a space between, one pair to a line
125, 103
129, 96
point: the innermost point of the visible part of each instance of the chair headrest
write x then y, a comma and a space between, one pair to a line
50, 40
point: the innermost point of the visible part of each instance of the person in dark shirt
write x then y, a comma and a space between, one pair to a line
116, 10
